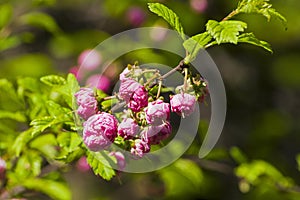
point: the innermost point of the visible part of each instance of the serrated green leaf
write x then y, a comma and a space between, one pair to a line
225, 31
53, 80
251, 39
41, 124
30, 84
195, 43
70, 143
56, 110
9, 100
100, 164
168, 15
69, 89
6, 12
55, 190
41, 20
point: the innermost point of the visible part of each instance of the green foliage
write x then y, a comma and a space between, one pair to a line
6, 12
54, 189
182, 178
168, 15
251, 39
40, 20
195, 43
258, 171
262, 7
99, 161
225, 31
53, 80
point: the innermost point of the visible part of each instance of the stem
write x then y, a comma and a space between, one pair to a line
180, 65
230, 15
117, 106
109, 97
159, 88
151, 79
185, 79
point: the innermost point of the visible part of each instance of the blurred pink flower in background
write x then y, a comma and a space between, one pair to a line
74, 70
89, 59
82, 164
198, 5
99, 81
121, 163
136, 16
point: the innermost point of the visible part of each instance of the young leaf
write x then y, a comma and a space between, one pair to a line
251, 39
100, 165
195, 43
262, 7
168, 15
41, 124
225, 31
53, 80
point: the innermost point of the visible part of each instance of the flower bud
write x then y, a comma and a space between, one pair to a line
128, 128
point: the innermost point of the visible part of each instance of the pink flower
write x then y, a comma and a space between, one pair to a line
198, 5
140, 148
99, 131
155, 134
128, 128
98, 81
183, 104
2, 166
87, 103
82, 164
139, 99
136, 16
89, 59
127, 88
121, 163
157, 112
123, 75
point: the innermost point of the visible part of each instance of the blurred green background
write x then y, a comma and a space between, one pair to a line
260, 141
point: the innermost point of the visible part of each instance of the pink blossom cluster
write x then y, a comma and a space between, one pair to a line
144, 122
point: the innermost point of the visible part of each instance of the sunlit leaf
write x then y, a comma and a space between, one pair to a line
251, 39
225, 31
168, 15
6, 12
100, 164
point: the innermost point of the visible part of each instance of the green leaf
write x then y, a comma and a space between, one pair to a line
21, 141
225, 31
298, 161
255, 171
46, 144
41, 124
195, 43
53, 80
41, 20
100, 164
55, 190
168, 15
262, 7
9, 42
251, 39
182, 178
70, 143
6, 12
238, 156
17, 116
